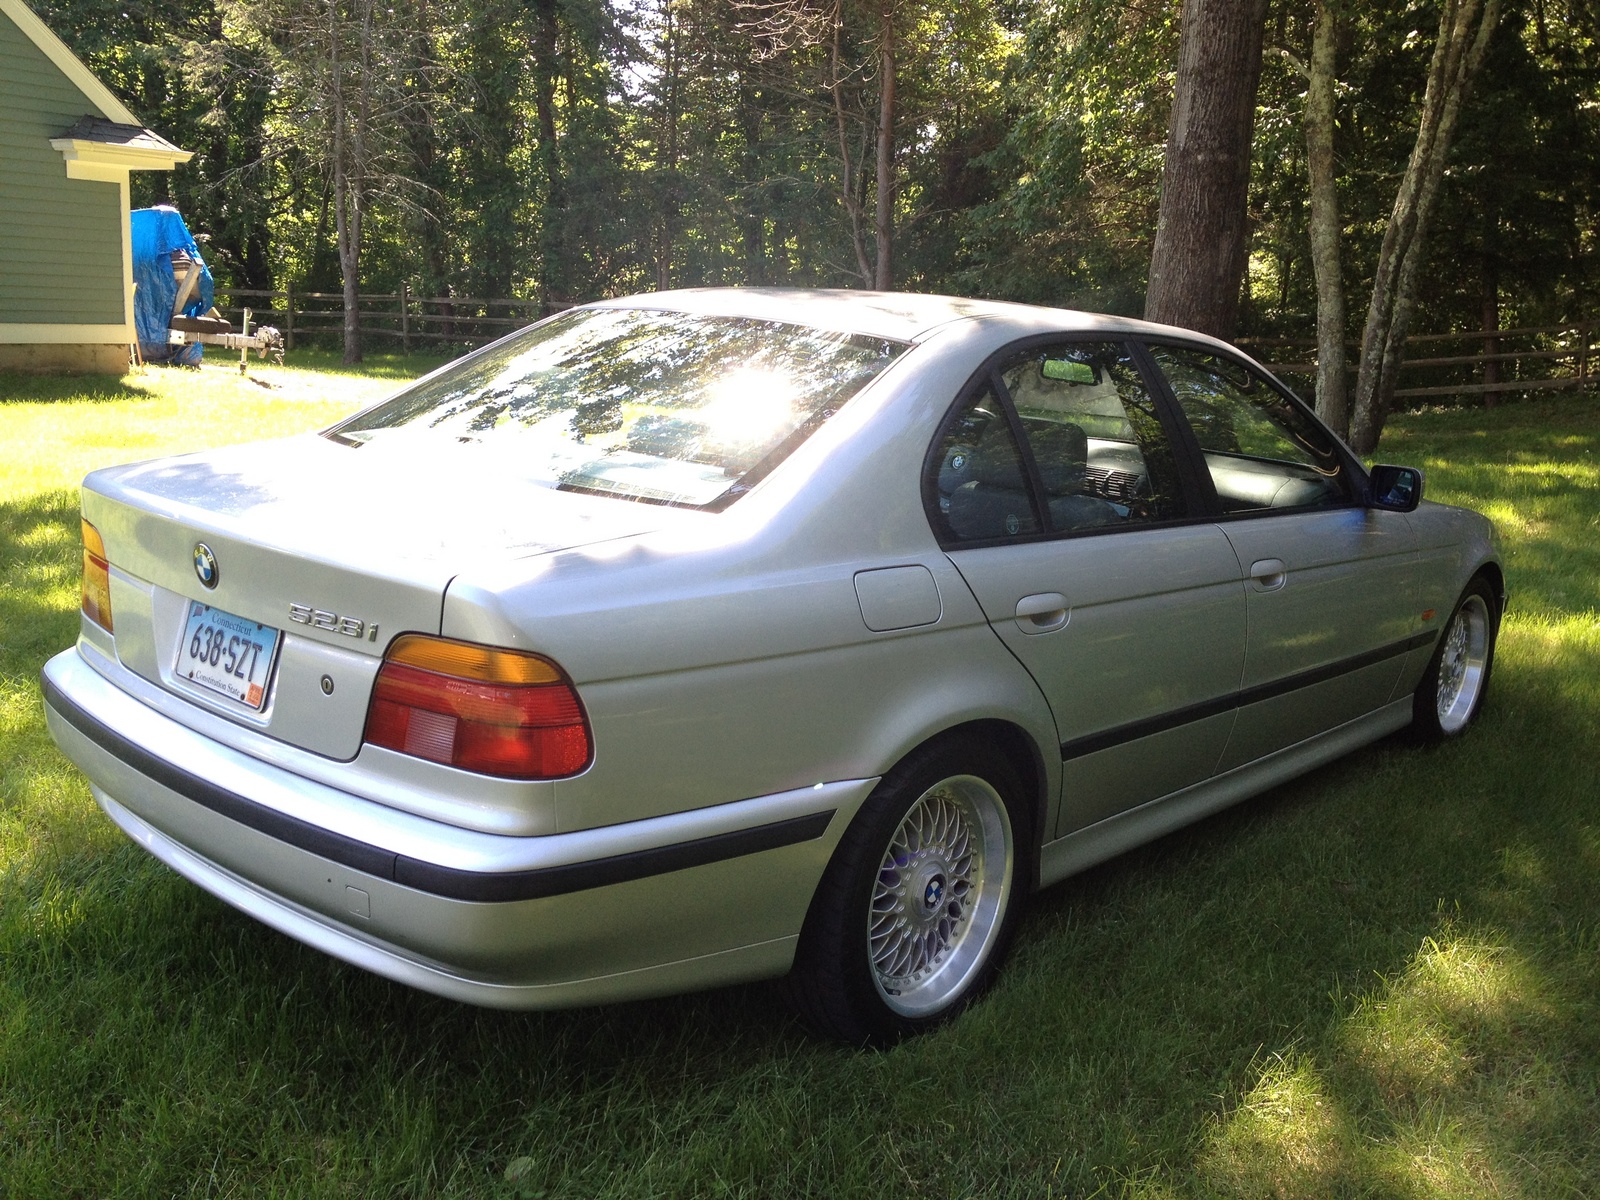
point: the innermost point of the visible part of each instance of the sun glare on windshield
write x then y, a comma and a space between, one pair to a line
750, 406
645, 405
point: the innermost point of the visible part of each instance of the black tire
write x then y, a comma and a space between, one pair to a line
1451, 693
945, 904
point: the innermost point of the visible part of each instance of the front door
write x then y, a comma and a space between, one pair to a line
1330, 585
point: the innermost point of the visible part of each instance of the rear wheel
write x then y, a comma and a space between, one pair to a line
1452, 689
913, 914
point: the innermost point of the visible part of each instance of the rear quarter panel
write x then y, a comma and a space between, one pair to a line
729, 658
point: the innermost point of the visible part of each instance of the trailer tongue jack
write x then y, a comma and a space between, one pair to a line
213, 328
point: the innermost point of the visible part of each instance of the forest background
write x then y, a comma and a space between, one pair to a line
561, 150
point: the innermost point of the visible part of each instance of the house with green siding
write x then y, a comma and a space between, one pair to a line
67, 146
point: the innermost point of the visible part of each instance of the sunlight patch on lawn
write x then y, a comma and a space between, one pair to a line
1514, 520
48, 585
1288, 1137
1422, 1035
19, 706
52, 916
1566, 649
57, 439
1426, 1088
46, 536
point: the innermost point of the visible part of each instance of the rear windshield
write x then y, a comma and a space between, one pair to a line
644, 405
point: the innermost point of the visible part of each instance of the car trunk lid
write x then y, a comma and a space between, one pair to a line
339, 548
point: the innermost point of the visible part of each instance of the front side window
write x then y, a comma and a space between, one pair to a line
1103, 457
639, 404
1263, 452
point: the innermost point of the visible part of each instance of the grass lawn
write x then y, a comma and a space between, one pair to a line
1383, 980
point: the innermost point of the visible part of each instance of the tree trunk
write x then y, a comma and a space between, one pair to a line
546, 62
668, 153
1333, 400
491, 252
154, 101
847, 185
752, 214
1491, 313
346, 191
883, 274
1464, 30
1198, 263
422, 145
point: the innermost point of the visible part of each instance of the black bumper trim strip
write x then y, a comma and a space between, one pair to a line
451, 883
1134, 730
603, 872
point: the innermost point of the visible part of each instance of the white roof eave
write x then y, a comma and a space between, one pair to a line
128, 158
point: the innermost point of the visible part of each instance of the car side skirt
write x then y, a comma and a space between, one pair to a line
1084, 848
1108, 738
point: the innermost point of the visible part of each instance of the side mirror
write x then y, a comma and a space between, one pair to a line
1398, 489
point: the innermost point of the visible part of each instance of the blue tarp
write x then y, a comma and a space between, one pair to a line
157, 232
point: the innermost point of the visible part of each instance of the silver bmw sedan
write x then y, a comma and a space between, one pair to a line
717, 635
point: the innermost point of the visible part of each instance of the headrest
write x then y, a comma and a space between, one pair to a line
995, 463
1062, 452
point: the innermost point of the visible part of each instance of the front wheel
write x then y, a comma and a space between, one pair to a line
1452, 689
912, 916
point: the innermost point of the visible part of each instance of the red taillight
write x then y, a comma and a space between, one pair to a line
96, 578
496, 712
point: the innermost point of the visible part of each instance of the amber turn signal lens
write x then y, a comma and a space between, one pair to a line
96, 578
465, 660
479, 708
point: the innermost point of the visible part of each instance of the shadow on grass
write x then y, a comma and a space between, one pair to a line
40, 564
17, 387
1403, 950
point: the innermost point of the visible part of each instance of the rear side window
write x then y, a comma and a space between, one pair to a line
638, 404
1262, 450
982, 485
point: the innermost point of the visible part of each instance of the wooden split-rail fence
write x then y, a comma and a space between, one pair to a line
1472, 362
1475, 362
406, 320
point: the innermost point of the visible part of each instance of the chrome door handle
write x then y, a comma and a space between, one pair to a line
1268, 575
1043, 612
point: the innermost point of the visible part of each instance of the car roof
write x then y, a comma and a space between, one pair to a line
902, 316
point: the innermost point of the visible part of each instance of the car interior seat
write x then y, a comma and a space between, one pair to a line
1062, 451
993, 502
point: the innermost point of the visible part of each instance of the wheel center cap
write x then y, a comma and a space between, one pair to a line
933, 893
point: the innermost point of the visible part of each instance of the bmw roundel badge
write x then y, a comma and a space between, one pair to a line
205, 565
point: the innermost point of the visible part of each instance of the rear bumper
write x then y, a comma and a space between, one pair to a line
668, 904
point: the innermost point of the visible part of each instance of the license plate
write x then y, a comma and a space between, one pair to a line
227, 654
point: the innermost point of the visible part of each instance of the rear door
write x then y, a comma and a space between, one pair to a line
1057, 492
1330, 585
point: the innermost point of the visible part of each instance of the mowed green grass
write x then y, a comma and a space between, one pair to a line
1383, 980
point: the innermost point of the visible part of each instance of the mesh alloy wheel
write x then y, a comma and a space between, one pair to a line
941, 890
1463, 664
1450, 695
913, 915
